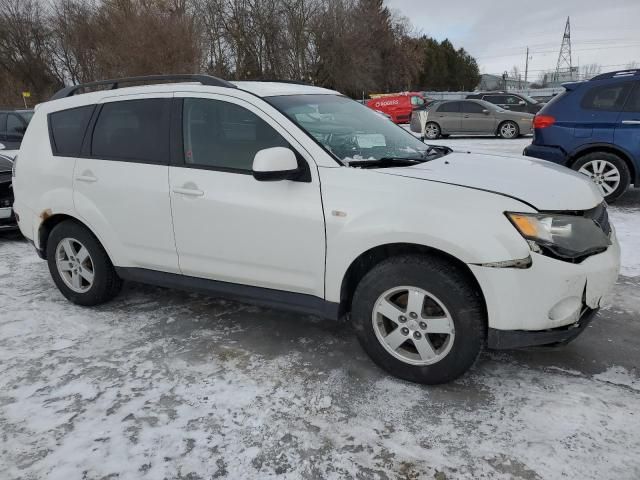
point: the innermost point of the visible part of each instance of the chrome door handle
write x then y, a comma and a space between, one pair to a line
86, 178
631, 122
192, 192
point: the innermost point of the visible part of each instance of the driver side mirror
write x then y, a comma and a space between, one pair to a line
2, 147
521, 102
485, 111
276, 163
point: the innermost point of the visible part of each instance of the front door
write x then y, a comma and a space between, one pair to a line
231, 227
477, 119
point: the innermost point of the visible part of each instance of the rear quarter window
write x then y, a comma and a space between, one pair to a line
67, 129
606, 97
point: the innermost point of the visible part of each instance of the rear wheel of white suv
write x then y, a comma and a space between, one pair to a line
79, 266
420, 318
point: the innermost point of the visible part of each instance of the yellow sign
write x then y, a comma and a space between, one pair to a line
26, 94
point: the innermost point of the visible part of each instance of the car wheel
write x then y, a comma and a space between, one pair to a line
608, 171
432, 130
79, 266
509, 129
419, 318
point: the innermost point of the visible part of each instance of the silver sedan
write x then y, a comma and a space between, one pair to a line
469, 117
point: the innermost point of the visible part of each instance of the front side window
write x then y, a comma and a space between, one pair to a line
511, 100
224, 135
607, 97
472, 107
417, 101
67, 130
133, 130
350, 131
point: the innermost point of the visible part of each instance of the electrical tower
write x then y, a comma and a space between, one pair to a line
565, 64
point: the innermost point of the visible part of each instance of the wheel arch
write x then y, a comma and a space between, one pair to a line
608, 148
50, 222
367, 260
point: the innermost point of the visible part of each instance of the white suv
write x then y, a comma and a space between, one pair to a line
294, 196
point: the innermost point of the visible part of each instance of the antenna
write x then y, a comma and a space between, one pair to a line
564, 58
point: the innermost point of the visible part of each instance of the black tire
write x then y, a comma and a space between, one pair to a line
434, 131
106, 283
514, 127
452, 286
615, 161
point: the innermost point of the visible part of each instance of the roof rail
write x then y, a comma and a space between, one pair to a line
634, 72
292, 82
116, 82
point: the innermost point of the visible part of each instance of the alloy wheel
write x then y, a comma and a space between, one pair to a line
604, 174
431, 131
74, 265
508, 130
413, 325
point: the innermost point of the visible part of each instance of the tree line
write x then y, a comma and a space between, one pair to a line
355, 46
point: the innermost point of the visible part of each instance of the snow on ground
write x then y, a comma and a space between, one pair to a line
166, 384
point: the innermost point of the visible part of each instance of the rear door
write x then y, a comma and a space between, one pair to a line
121, 181
448, 116
475, 120
627, 134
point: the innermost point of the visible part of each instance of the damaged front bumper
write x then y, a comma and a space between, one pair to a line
550, 301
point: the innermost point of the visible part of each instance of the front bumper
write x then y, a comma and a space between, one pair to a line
551, 154
550, 294
509, 339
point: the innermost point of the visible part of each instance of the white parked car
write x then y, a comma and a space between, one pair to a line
297, 197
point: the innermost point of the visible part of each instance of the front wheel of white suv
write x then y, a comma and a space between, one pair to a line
79, 266
420, 318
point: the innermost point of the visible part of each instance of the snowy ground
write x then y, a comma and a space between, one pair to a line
165, 384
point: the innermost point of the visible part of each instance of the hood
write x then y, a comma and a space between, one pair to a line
541, 184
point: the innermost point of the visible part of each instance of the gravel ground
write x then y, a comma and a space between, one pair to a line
165, 384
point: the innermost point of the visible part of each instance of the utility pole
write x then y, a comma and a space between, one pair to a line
526, 69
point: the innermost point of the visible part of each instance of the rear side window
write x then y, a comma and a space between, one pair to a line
633, 102
449, 107
67, 130
497, 99
224, 135
133, 130
606, 97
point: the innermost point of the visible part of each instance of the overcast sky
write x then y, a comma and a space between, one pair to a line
497, 33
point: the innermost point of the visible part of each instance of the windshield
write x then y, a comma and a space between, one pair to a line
350, 131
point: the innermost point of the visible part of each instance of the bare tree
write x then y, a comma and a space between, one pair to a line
590, 70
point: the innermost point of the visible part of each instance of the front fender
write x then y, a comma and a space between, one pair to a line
364, 210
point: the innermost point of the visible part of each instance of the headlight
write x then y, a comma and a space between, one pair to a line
564, 236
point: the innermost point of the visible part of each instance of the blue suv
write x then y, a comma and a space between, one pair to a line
593, 127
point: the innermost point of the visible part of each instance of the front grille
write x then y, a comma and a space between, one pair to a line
600, 215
